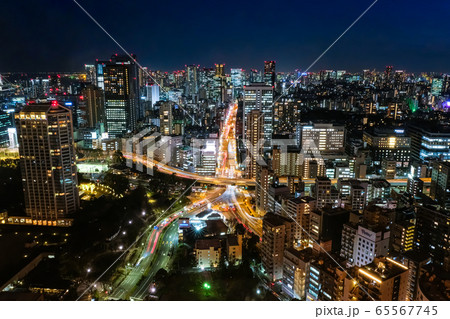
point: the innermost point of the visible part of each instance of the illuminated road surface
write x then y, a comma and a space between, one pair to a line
155, 254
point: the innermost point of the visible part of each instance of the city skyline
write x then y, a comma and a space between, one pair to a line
399, 34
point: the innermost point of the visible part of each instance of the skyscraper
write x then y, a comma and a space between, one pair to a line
259, 97
254, 135
94, 100
440, 183
119, 79
269, 73
166, 118
47, 162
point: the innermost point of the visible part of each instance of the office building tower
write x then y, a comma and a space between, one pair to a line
327, 138
440, 184
391, 144
429, 142
205, 156
276, 236
47, 162
383, 280
433, 232
93, 99
237, 81
416, 262
269, 73
191, 80
437, 86
166, 118
254, 141
258, 96
155, 94
119, 79
5, 125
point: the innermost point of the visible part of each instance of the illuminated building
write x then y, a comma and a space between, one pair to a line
286, 115
370, 242
94, 100
264, 177
430, 142
254, 141
389, 144
325, 280
259, 97
325, 193
295, 267
5, 125
437, 86
191, 80
414, 186
237, 80
269, 73
300, 209
119, 79
276, 236
205, 156
327, 138
166, 118
383, 280
440, 183
326, 226
433, 232
47, 162
207, 253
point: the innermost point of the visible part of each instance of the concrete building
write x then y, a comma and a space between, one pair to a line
276, 236
300, 209
383, 280
208, 253
47, 162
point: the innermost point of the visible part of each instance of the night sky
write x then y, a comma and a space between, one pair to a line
55, 35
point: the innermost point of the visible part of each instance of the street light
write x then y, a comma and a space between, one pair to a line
88, 270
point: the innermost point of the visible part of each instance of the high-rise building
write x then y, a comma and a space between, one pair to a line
392, 144
237, 80
325, 193
47, 162
93, 97
383, 280
166, 118
264, 177
254, 143
269, 73
5, 125
276, 236
326, 226
119, 79
430, 142
440, 183
433, 232
191, 80
327, 138
295, 268
258, 96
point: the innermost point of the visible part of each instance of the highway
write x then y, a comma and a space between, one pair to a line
155, 251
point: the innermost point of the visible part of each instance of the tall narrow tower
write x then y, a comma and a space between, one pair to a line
47, 162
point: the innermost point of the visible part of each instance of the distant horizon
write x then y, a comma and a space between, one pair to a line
47, 35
